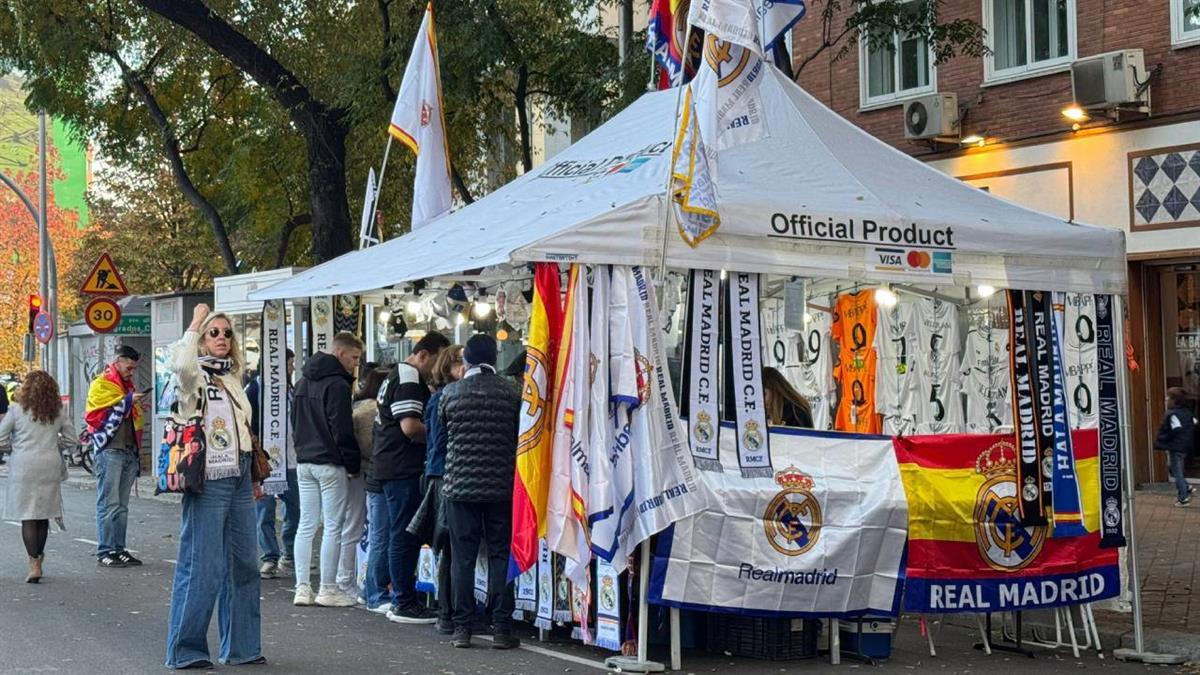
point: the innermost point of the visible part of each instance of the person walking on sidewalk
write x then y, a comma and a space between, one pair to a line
114, 421
217, 561
36, 431
327, 456
363, 416
1175, 437
398, 461
268, 542
480, 415
375, 593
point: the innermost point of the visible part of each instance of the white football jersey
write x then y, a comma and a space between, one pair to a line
985, 373
1079, 360
940, 348
809, 357
897, 385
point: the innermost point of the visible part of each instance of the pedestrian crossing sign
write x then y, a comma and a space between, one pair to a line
104, 279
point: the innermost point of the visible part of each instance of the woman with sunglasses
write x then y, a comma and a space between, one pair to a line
218, 562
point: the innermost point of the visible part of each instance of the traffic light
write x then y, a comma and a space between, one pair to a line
35, 306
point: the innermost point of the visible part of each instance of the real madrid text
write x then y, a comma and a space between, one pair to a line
865, 230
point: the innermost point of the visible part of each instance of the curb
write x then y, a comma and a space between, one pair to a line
143, 488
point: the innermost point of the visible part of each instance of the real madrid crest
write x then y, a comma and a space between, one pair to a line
703, 427
219, 435
608, 594
752, 438
1004, 543
793, 517
272, 311
320, 310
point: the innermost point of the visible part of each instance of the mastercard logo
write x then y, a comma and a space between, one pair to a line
919, 259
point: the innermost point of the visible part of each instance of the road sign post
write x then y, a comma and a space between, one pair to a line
43, 327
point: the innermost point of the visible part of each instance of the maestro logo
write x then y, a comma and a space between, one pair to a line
793, 517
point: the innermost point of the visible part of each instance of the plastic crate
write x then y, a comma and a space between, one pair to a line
758, 638
869, 638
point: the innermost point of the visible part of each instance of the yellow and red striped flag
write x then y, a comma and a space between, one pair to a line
531, 484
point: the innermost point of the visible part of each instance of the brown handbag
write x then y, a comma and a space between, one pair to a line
260, 463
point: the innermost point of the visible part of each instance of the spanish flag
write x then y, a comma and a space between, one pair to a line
531, 484
967, 548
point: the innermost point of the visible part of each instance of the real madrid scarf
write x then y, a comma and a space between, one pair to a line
220, 423
1112, 526
320, 321
347, 317
700, 377
527, 582
608, 606
743, 382
562, 590
1024, 412
273, 389
545, 591
1039, 313
480, 583
1068, 509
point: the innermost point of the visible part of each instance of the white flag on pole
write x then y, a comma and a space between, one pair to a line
418, 121
366, 229
756, 24
566, 511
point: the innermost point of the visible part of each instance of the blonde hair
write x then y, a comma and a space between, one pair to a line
235, 354
444, 364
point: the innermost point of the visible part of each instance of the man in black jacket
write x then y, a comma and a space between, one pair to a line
398, 462
326, 454
480, 416
1176, 436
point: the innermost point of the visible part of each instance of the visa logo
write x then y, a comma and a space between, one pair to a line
890, 259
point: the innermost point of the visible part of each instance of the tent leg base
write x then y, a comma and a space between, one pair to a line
630, 664
1148, 657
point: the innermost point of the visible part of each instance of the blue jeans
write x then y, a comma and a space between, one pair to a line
1178, 463
268, 542
403, 497
379, 536
216, 565
116, 470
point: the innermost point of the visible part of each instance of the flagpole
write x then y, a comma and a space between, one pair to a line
379, 187
662, 260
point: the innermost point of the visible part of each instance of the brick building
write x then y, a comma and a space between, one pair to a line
1140, 174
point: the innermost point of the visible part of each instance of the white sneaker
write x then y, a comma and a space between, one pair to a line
381, 608
332, 597
304, 596
269, 570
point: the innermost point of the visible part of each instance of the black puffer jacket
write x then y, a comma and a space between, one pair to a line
479, 415
323, 428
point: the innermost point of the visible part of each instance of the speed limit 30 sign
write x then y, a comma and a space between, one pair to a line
102, 315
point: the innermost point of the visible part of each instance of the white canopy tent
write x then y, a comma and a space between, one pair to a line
813, 198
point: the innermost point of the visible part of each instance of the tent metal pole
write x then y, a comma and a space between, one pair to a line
1135, 581
379, 190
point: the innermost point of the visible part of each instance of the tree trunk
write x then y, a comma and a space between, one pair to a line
324, 129
521, 95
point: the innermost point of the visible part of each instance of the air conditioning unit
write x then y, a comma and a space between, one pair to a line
932, 117
1110, 80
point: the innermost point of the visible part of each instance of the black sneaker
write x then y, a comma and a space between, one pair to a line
505, 640
412, 614
129, 560
110, 560
445, 627
461, 639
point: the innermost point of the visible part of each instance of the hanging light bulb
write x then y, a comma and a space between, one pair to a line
482, 309
414, 307
385, 316
724, 275
985, 291
886, 297
459, 319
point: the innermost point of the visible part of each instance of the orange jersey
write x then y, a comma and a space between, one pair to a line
854, 321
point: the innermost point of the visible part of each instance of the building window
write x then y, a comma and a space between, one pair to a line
1028, 36
1185, 22
894, 66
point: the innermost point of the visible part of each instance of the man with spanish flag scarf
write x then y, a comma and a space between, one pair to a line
114, 427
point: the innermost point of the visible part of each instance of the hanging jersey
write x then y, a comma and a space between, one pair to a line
985, 375
813, 375
939, 345
1079, 360
897, 386
854, 331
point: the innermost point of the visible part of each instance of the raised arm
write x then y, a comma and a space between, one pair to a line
183, 352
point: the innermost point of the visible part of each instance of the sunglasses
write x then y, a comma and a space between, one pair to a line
216, 332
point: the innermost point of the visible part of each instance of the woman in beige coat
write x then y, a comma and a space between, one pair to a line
36, 430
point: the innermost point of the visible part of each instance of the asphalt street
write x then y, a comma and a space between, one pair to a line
82, 619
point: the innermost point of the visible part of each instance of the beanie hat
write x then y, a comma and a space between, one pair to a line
480, 351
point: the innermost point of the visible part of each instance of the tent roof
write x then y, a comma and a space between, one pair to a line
602, 201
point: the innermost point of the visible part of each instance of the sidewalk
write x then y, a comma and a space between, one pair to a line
144, 488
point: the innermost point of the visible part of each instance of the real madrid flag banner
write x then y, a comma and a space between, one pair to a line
702, 373
320, 316
823, 536
968, 550
274, 391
